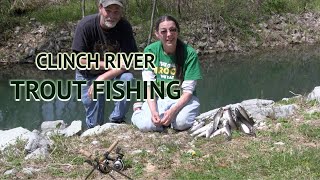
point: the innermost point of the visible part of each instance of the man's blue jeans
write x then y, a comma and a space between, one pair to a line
95, 109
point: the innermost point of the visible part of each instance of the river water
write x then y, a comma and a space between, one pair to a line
270, 74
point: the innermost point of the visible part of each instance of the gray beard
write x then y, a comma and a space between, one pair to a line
109, 25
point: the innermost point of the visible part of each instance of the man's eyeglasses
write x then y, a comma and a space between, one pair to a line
165, 31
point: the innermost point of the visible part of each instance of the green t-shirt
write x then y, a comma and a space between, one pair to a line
165, 64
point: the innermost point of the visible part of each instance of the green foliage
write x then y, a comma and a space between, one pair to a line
237, 14
285, 122
270, 165
288, 101
14, 154
138, 169
312, 116
70, 11
284, 6
312, 102
310, 131
60, 152
7, 20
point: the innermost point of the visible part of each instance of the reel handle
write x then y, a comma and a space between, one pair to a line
113, 145
85, 153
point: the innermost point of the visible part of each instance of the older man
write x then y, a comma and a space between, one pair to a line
104, 32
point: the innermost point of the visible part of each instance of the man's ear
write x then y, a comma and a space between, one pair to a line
100, 8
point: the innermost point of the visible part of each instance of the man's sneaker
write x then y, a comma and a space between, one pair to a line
137, 106
118, 121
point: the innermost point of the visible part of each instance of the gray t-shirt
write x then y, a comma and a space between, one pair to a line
89, 37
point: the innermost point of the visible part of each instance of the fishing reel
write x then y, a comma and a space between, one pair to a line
105, 164
118, 163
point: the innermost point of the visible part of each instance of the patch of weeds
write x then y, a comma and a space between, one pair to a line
67, 171
192, 174
288, 101
236, 134
138, 169
60, 146
309, 131
253, 147
262, 133
312, 103
142, 154
312, 116
69, 11
14, 155
275, 136
284, 122
191, 156
104, 143
78, 160
281, 165
164, 156
54, 171
220, 153
128, 162
210, 168
269, 122
279, 136
198, 142
63, 151
163, 160
171, 147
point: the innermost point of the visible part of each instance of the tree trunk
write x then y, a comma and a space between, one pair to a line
151, 20
83, 7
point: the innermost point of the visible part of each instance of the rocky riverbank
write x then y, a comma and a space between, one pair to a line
58, 145
205, 36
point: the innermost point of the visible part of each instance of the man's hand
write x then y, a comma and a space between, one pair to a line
90, 91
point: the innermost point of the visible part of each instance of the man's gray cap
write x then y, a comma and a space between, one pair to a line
106, 3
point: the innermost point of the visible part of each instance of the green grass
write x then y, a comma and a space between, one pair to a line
289, 101
312, 103
312, 116
178, 156
63, 13
14, 155
138, 169
238, 15
310, 131
285, 123
270, 165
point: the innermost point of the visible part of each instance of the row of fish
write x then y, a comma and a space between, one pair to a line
224, 121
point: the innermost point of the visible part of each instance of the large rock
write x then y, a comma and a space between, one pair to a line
9, 137
53, 126
33, 141
40, 153
74, 128
284, 111
259, 109
100, 129
315, 94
